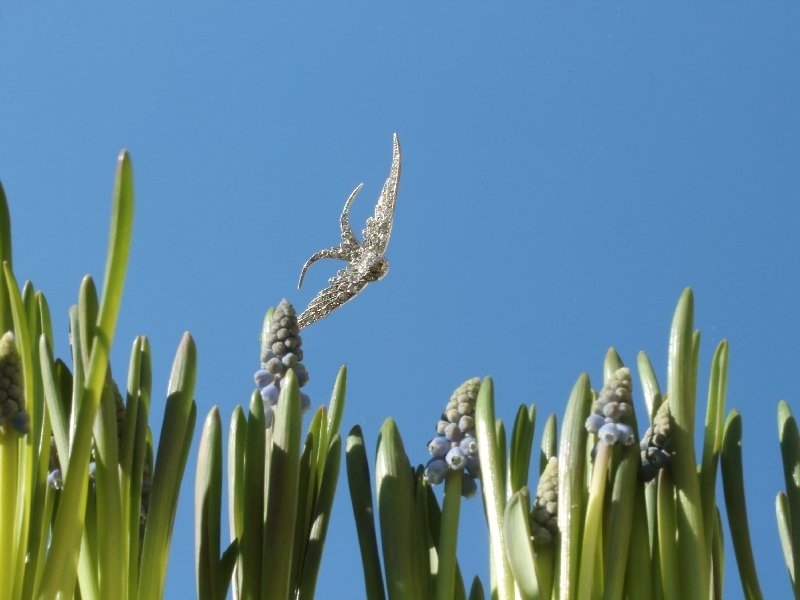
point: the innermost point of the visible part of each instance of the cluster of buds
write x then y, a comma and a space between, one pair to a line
12, 397
281, 350
613, 404
455, 448
655, 445
544, 512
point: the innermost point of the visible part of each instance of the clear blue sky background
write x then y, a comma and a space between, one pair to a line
567, 172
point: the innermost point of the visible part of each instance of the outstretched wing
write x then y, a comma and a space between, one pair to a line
348, 249
379, 227
345, 285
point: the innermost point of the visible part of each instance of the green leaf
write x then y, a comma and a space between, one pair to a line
790, 452
516, 524
5, 231
549, 441
736, 506
521, 446
492, 451
448, 536
712, 439
173, 449
358, 481
321, 518
405, 549
207, 508
682, 375
571, 486
282, 494
253, 502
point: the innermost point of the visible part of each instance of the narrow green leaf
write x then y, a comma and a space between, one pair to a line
321, 518
625, 494
107, 492
521, 446
712, 438
282, 493
5, 231
669, 568
405, 551
448, 536
549, 441
253, 508
207, 508
736, 506
492, 451
516, 523
476, 591
785, 533
173, 448
571, 488
790, 453
336, 408
358, 481
681, 368
639, 576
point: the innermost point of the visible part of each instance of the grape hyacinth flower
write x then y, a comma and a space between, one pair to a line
280, 351
544, 512
455, 447
12, 396
655, 445
613, 405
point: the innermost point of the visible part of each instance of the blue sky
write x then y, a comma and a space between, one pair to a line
567, 171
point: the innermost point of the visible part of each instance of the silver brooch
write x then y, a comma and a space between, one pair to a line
366, 260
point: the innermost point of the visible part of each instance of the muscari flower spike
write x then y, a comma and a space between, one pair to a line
455, 446
655, 445
280, 351
544, 512
12, 396
613, 405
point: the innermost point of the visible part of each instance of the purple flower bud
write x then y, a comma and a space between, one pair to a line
456, 459
625, 433
439, 446
469, 445
594, 422
435, 471
608, 434
468, 486
263, 378
54, 479
270, 394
